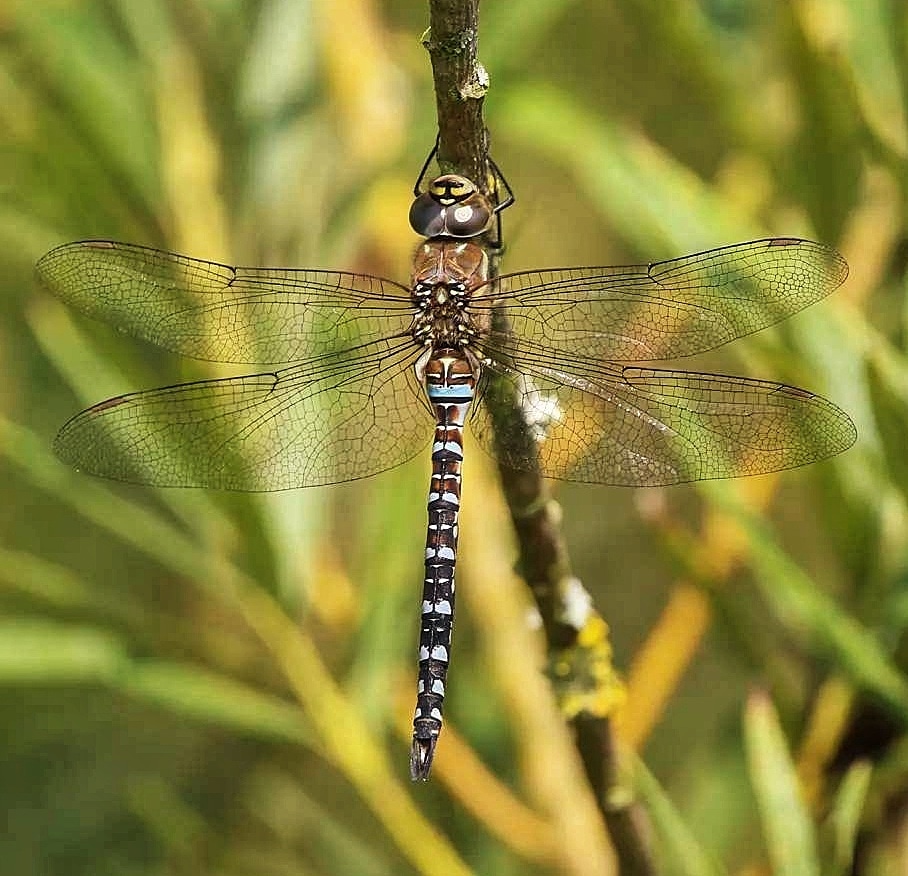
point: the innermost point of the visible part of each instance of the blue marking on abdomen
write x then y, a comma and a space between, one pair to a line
464, 393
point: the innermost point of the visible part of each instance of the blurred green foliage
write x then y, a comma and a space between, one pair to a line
218, 683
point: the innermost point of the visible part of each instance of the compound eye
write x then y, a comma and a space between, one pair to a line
427, 216
468, 218
452, 207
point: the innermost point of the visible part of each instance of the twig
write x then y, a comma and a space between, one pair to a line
580, 654
460, 86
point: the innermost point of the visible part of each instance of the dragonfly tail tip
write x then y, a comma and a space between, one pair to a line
421, 756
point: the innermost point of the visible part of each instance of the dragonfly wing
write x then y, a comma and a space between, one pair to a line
324, 421
220, 313
662, 310
645, 427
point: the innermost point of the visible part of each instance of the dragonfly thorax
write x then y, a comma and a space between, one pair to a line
445, 275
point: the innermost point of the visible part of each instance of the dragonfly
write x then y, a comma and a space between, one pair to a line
357, 374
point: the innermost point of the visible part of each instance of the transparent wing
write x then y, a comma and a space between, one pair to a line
645, 427
324, 421
663, 310
219, 313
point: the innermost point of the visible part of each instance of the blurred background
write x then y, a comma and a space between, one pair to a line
196, 682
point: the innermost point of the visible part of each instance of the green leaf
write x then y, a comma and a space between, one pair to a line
681, 853
141, 527
217, 699
650, 197
887, 381
43, 652
44, 580
827, 159
787, 827
842, 824
807, 610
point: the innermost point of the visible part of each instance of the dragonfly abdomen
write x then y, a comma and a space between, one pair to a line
450, 381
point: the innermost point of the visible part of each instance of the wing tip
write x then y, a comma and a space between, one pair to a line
836, 265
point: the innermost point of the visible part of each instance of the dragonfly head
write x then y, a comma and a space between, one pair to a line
452, 206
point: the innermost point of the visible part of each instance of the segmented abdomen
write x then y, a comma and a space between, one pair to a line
450, 383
